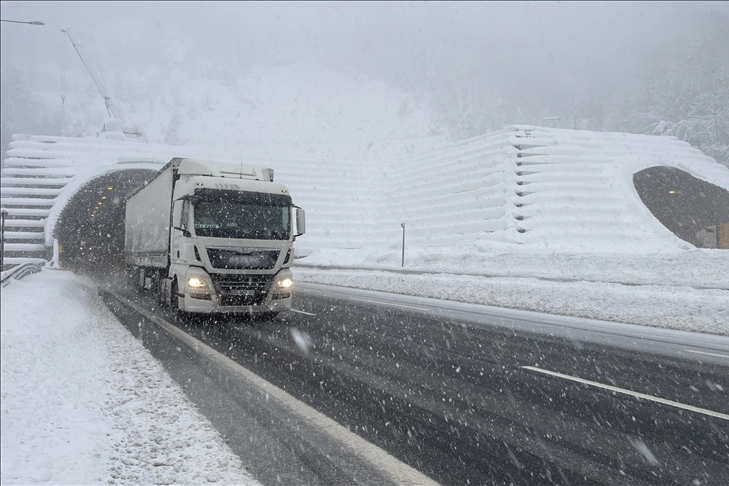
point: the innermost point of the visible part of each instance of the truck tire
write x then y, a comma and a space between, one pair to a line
160, 287
174, 297
141, 275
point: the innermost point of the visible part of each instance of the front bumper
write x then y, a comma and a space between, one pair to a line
213, 305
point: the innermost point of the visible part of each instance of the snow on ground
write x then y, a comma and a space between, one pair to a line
84, 403
685, 290
668, 307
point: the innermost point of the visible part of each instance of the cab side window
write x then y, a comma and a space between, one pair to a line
185, 215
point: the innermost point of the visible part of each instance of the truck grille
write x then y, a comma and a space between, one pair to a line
242, 258
242, 289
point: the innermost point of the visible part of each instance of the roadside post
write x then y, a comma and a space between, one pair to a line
403, 243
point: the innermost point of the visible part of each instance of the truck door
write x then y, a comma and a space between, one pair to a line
180, 230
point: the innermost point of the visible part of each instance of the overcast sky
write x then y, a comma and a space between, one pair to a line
583, 47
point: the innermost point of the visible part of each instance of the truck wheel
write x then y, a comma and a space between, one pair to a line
174, 298
160, 287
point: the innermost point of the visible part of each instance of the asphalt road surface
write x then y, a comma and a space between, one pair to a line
462, 394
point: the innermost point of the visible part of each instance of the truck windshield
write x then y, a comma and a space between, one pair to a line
233, 219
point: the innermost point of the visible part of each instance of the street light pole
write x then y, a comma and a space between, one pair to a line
32, 22
4, 213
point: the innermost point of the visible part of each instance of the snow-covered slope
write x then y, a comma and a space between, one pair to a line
195, 101
298, 103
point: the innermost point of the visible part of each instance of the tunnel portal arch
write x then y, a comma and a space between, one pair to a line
684, 204
90, 226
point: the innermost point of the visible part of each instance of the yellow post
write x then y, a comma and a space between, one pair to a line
724, 236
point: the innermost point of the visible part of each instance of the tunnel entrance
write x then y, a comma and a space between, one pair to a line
90, 229
681, 202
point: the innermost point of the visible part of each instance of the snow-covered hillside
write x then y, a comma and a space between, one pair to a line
300, 107
299, 103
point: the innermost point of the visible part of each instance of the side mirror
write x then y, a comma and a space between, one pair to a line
300, 222
302, 253
185, 233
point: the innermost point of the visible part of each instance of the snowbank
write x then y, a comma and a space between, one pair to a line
84, 403
669, 307
684, 290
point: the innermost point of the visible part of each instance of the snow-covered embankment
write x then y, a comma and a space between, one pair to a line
84, 403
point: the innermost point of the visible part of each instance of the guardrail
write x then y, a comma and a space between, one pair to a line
3, 215
19, 272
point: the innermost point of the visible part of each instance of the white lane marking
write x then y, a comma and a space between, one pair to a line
631, 393
382, 302
398, 472
708, 354
302, 312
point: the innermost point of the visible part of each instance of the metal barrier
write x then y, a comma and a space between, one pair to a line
3, 214
19, 272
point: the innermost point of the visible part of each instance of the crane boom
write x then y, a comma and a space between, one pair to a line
112, 109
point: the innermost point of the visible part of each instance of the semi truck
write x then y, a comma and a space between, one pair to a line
213, 237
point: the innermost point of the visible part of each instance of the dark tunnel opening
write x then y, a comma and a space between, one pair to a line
90, 229
683, 203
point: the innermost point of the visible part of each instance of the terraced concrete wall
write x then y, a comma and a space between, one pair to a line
531, 187
542, 188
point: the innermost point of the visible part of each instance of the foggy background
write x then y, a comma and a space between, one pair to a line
442, 69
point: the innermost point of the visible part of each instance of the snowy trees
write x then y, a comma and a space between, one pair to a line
21, 111
684, 90
681, 89
465, 101
587, 115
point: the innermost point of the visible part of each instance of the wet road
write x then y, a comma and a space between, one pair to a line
463, 396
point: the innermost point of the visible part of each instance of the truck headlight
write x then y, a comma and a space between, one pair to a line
284, 280
197, 283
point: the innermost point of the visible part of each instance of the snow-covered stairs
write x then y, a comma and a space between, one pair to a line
29, 186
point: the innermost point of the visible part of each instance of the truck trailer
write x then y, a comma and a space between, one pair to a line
211, 237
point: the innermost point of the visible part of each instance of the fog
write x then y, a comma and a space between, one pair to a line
577, 47
543, 54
